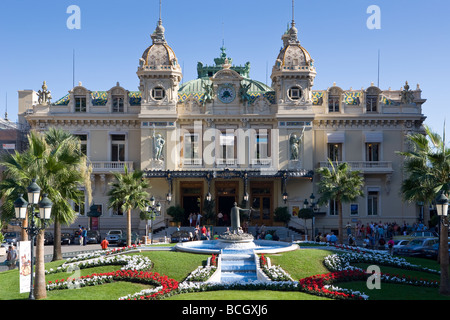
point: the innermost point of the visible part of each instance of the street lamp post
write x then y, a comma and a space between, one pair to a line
153, 211
313, 206
33, 229
442, 211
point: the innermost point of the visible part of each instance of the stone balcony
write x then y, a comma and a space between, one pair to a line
366, 167
111, 166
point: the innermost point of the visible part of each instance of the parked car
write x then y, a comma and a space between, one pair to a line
180, 236
67, 238
433, 251
11, 238
418, 234
48, 238
399, 243
123, 239
415, 246
93, 236
113, 236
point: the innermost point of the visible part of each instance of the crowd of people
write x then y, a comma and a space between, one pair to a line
374, 235
381, 229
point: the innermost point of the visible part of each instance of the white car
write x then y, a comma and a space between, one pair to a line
400, 243
113, 236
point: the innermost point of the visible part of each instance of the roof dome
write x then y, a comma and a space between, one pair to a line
293, 55
159, 55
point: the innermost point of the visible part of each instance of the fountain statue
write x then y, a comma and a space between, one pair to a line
235, 234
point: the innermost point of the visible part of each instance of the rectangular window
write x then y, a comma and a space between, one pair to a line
335, 151
117, 210
118, 147
191, 148
80, 104
117, 104
262, 145
79, 208
333, 104
334, 210
227, 145
372, 203
372, 152
371, 103
83, 143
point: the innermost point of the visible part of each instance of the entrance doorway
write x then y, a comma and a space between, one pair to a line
191, 199
226, 196
261, 200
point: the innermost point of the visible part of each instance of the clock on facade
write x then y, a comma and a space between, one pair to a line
226, 93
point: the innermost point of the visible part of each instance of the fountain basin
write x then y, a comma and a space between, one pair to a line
237, 247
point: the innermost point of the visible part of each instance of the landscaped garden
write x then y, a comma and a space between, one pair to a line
305, 274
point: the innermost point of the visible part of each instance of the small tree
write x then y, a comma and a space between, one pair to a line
177, 213
306, 213
340, 184
128, 192
209, 208
282, 215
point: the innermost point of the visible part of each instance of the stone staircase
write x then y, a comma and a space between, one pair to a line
237, 267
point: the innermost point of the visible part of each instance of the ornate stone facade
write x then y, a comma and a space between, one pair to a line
235, 139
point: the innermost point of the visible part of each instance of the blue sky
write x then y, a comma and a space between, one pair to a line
414, 42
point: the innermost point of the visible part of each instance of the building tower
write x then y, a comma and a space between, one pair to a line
293, 73
160, 74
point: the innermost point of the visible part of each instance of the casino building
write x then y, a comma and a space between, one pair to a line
227, 138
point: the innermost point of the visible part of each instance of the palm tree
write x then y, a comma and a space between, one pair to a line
70, 174
340, 184
428, 167
128, 192
55, 173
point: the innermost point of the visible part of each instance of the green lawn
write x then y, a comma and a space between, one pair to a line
177, 265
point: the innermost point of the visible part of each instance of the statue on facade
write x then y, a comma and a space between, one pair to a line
235, 217
209, 93
407, 96
295, 147
243, 92
158, 146
44, 95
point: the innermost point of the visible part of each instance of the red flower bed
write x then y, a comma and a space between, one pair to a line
316, 284
214, 260
145, 277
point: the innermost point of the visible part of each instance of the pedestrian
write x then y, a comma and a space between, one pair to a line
203, 233
220, 218
84, 235
199, 217
391, 246
80, 235
104, 244
349, 228
194, 219
190, 220
381, 243
366, 242
333, 238
351, 242
11, 257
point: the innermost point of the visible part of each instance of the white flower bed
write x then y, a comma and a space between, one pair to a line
135, 262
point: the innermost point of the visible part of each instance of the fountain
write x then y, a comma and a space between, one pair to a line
235, 241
